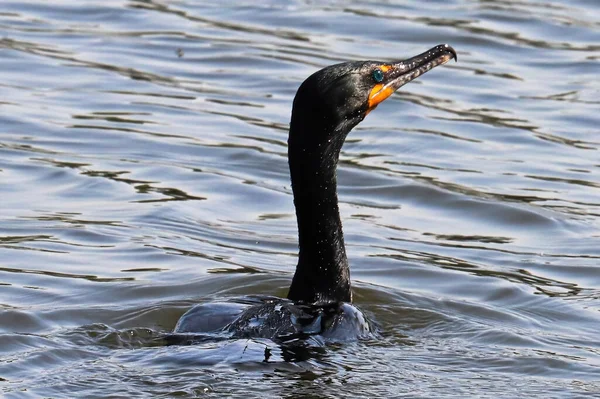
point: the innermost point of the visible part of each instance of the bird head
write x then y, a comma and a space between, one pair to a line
336, 98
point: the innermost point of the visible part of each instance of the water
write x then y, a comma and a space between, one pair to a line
143, 170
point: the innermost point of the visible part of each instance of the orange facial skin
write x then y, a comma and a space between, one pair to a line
379, 92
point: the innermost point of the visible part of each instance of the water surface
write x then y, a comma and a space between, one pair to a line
143, 170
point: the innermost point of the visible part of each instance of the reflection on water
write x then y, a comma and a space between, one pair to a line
143, 170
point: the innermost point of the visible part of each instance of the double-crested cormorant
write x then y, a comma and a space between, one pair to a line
326, 107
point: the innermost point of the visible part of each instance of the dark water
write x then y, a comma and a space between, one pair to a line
143, 170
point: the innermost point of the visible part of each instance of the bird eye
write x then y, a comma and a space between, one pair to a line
378, 75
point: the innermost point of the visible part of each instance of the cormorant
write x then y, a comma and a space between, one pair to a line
327, 106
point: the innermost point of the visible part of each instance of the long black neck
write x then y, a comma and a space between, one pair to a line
322, 274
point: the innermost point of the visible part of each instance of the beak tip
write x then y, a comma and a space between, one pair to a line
451, 50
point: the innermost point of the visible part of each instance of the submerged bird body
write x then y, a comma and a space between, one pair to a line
282, 320
327, 106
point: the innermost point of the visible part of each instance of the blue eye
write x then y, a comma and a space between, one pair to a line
378, 75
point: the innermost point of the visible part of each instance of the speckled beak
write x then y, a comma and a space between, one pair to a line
397, 74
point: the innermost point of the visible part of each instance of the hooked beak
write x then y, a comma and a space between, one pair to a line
397, 74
